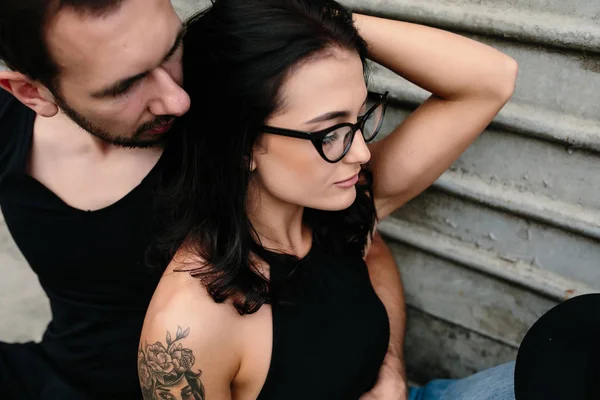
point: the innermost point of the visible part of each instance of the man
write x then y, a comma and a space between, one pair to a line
93, 88
78, 202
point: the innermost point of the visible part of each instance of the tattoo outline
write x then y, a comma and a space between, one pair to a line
163, 370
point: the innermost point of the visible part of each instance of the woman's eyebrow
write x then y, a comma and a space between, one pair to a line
334, 115
329, 116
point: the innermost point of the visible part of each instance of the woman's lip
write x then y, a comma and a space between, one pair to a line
348, 182
349, 178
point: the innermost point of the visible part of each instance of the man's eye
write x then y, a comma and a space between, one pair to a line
177, 50
123, 90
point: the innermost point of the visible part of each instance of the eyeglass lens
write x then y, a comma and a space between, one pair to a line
337, 141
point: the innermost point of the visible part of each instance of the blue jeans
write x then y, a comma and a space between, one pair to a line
492, 384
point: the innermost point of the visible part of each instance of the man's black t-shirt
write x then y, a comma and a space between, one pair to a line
90, 264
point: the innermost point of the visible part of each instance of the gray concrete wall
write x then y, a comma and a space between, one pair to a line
511, 229
24, 310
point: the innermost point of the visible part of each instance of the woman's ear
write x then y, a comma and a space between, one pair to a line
258, 148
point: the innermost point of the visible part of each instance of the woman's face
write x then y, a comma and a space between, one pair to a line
318, 94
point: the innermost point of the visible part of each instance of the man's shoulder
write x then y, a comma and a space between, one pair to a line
6, 100
15, 121
11, 109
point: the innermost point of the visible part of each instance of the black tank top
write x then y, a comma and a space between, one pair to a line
330, 330
90, 264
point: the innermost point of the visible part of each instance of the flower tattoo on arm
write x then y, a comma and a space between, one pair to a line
166, 371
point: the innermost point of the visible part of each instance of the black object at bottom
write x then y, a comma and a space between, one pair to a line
559, 357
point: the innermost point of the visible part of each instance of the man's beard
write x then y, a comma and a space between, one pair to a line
140, 139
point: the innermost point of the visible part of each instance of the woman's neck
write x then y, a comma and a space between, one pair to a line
279, 224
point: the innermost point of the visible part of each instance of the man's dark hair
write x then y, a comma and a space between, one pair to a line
23, 28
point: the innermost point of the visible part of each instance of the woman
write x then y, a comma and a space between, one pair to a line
278, 192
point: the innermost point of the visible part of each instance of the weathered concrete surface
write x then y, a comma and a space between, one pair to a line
24, 310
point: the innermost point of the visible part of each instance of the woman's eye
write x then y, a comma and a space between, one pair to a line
332, 137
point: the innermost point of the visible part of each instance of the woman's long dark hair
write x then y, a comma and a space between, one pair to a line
237, 55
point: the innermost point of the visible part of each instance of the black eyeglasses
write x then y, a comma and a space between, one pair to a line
334, 143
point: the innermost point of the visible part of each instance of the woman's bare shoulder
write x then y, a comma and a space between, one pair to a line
187, 334
179, 295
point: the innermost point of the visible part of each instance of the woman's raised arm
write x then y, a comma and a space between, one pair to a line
470, 82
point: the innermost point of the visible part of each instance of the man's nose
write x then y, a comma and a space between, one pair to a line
170, 98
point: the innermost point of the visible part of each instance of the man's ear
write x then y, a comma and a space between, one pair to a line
31, 93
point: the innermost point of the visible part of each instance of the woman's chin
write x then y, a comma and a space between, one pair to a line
337, 203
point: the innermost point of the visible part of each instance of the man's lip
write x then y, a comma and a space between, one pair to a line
162, 128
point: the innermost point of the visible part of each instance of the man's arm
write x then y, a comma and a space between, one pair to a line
387, 283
